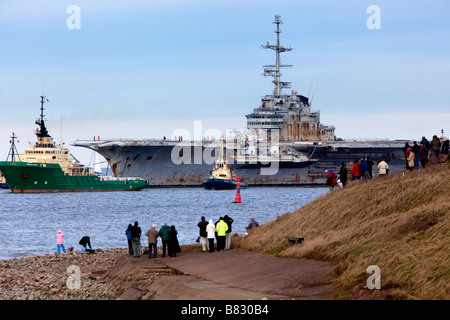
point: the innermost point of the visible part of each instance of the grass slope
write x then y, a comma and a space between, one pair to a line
400, 223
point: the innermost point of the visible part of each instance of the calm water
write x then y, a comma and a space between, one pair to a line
29, 222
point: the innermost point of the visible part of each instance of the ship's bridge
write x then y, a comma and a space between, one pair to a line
276, 109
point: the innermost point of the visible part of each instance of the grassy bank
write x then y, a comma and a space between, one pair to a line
400, 223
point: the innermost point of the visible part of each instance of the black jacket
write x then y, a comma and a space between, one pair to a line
135, 232
228, 221
202, 226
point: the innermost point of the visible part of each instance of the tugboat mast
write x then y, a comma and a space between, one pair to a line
274, 70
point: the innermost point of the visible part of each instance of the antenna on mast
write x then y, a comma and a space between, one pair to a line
314, 92
13, 150
312, 85
274, 70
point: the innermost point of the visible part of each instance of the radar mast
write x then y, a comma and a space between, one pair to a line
274, 70
42, 132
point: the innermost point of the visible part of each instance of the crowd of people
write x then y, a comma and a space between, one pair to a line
420, 153
167, 234
209, 233
415, 156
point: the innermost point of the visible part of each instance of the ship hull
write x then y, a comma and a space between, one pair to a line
222, 184
162, 167
23, 177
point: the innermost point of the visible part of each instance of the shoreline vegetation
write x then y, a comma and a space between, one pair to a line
399, 223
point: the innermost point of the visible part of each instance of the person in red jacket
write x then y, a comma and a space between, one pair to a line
356, 174
331, 180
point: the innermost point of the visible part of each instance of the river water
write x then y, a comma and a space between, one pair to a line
29, 222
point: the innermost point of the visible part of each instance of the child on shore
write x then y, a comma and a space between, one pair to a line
60, 241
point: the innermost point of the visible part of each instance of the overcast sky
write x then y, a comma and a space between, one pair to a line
145, 68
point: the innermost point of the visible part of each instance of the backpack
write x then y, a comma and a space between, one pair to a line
329, 181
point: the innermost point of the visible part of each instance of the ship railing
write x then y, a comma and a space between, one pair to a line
368, 140
111, 178
155, 141
269, 158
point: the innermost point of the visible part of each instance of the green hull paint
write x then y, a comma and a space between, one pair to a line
49, 177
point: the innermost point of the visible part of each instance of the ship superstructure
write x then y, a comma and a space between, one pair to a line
290, 114
45, 150
284, 144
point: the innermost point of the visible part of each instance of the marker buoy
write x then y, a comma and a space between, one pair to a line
237, 199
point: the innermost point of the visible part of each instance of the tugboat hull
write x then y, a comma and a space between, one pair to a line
25, 177
222, 184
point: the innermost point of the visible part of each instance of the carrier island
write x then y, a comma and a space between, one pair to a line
284, 144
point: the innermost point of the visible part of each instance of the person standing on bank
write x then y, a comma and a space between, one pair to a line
129, 239
136, 239
356, 174
416, 150
370, 164
423, 155
363, 169
203, 234
211, 231
60, 241
229, 222
152, 235
410, 158
435, 148
405, 149
382, 168
164, 234
221, 229
343, 172
173, 245
331, 180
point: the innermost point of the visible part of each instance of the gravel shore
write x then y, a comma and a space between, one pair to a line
47, 277
113, 274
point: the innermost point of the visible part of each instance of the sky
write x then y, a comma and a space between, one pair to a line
141, 69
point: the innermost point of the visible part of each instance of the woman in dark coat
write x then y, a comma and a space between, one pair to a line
173, 244
423, 155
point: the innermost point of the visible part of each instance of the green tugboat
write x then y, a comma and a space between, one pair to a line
47, 167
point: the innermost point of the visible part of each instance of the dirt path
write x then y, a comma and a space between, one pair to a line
232, 275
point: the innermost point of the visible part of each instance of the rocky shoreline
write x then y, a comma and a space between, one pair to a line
113, 274
47, 277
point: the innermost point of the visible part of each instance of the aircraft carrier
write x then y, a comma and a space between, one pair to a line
284, 144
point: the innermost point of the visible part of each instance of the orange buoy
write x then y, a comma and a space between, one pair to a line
237, 199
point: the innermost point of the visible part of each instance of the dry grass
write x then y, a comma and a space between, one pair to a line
400, 223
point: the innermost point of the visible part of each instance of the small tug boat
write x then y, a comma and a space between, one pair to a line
3, 184
47, 167
222, 177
